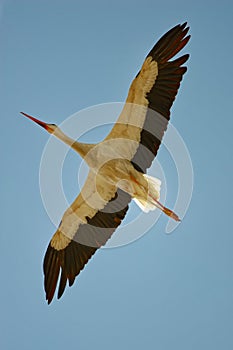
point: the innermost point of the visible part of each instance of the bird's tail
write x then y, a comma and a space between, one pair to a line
152, 200
148, 204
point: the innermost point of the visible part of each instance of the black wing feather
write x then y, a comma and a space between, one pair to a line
70, 261
163, 93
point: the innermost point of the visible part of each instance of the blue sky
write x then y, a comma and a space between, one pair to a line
162, 291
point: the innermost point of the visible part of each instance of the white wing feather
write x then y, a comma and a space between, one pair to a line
95, 194
132, 117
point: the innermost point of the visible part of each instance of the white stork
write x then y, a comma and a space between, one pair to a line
118, 165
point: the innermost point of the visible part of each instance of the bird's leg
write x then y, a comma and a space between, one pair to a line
166, 211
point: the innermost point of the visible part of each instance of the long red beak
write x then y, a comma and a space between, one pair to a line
44, 125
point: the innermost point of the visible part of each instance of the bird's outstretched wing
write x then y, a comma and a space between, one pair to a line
146, 113
86, 226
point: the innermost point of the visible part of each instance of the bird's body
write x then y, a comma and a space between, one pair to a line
117, 165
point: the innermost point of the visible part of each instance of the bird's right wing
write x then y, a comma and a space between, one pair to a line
86, 226
146, 113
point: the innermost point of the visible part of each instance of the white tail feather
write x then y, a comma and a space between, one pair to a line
148, 204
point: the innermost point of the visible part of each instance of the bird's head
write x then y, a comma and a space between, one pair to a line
49, 127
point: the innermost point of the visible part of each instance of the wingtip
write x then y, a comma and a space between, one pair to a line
182, 26
48, 300
49, 297
185, 27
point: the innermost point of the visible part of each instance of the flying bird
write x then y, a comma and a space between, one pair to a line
118, 165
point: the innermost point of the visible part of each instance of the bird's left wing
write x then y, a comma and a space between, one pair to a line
146, 113
86, 226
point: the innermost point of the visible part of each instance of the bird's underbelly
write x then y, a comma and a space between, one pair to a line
121, 174
111, 162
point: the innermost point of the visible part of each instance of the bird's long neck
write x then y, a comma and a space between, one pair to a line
81, 148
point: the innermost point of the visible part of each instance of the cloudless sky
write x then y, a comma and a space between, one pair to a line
162, 291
